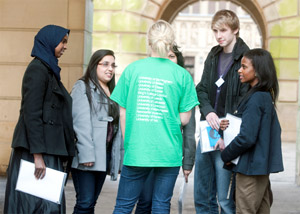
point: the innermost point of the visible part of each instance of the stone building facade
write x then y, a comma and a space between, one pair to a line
121, 25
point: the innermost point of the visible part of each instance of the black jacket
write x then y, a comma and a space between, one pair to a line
206, 89
259, 142
45, 122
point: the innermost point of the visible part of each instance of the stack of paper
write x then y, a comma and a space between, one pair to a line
209, 136
49, 188
232, 131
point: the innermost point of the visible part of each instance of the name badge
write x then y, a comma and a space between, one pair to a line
219, 82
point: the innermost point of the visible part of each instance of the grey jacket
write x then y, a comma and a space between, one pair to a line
189, 143
91, 132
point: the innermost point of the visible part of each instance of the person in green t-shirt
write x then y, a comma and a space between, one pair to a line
155, 97
189, 148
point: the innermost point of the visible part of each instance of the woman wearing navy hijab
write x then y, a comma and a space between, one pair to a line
44, 133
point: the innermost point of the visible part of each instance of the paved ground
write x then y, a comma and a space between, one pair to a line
286, 193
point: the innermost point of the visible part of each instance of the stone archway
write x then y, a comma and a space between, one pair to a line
171, 10
279, 24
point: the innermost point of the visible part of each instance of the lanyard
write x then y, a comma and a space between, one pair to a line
220, 82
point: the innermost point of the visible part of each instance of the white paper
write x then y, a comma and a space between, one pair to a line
49, 188
182, 195
232, 131
206, 140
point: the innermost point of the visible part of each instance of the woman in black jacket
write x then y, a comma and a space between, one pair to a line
44, 133
258, 145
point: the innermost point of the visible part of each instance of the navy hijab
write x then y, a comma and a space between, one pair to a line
45, 43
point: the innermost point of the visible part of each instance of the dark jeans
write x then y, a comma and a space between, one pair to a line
132, 182
145, 200
88, 185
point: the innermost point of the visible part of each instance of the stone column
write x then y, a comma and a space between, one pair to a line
284, 24
298, 141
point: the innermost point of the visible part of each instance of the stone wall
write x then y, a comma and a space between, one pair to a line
121, 26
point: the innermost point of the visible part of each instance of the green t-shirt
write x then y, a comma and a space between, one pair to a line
154, 91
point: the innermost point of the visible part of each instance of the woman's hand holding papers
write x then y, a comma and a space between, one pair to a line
40, 167
186, 174
224, 124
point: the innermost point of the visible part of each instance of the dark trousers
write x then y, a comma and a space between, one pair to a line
145, 200
88, 185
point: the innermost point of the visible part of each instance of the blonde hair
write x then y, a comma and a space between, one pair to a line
226, 17
161, 38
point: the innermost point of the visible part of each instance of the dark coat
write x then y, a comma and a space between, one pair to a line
206, 89
45, 121
259, 142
